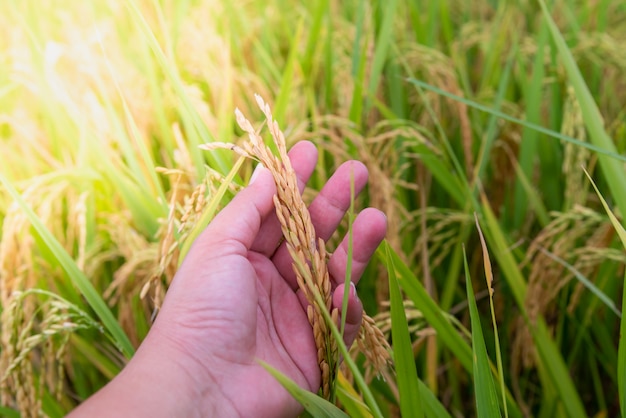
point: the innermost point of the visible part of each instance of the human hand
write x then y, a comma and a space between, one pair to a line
235, 301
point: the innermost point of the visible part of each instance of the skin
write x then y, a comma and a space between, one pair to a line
234, 301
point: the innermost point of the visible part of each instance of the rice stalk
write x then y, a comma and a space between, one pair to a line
308, 252
186, 206
437, 68
582, 237
574, 156
34, 348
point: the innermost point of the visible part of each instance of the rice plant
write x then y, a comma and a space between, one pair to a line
493, 133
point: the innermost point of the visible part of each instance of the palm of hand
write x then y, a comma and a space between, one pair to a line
235, 299
254, 315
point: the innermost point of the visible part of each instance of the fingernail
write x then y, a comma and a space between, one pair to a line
255, 173
353, 290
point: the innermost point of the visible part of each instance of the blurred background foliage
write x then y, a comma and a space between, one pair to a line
455, 107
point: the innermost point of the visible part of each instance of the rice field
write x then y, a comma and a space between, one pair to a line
495, 138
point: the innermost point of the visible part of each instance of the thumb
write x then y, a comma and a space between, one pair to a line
236, 226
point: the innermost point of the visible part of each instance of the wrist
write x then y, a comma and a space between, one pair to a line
156, 384
176, 387
224, 388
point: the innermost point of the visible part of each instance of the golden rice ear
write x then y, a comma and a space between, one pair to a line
307, 251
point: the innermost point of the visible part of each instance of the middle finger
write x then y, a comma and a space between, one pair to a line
327, 210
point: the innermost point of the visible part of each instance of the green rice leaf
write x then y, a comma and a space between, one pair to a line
485, 391
491, 132
76, 276
621, 350
315, 33
585, 281
621, 357
286, 83
494, 323
432, 406
435, 317
350, 399
407, 379
612, 169
456, 172
359, 61
530, 138
347, 358
593, 147
433, 314
552, 360
195, 129
209, 211
383, 41
132, 142
51, 406
8, 412
315, 405
441, 171
100, 361
616, 223
143, 207
532, 197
